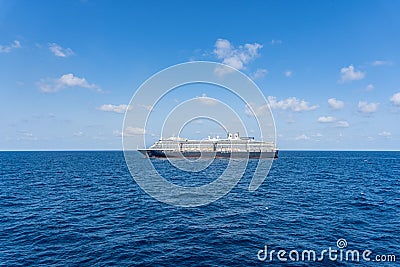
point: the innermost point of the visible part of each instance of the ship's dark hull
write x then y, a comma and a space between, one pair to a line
196, 154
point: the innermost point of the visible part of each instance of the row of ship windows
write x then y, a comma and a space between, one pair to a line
211, 147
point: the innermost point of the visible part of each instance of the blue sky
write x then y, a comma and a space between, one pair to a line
329, 68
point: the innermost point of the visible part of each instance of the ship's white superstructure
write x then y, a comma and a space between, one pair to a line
214, 147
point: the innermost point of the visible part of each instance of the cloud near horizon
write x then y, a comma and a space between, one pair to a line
292, 103
302, 137
385, 134
132, 131
114, 108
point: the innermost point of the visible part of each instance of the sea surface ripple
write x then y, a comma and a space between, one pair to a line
84, 208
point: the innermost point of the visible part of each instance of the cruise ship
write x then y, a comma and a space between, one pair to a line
233, 146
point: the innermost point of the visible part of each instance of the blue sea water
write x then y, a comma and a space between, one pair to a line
84, 208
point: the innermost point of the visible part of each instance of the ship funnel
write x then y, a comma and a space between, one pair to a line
229, 135
237, 135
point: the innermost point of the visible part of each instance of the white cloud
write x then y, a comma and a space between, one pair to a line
199, 121
335, 104
385, 134
260, 73
59, 51
115, 108
370, 87
78, 133
8, 48
223, 70
25, 135
253, 110
223, 48
350, 74
276, 42
342, 124
73, 81
235, 57
130, 131
288, 73
381, 62
65, 81
117, 133
326, 119
302, 137
367, 108
395, 99
292, 103
206, 100
147, 107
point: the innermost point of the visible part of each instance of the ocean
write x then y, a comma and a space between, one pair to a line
84, 208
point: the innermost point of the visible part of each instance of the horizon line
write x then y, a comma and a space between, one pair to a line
117, 150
